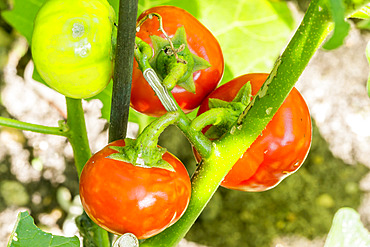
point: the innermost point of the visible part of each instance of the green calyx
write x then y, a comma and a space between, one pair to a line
174, 63
144, 151
222, 114
150, 157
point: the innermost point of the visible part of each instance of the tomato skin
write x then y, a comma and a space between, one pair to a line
72, 46
121, 197
200, 42
281, 148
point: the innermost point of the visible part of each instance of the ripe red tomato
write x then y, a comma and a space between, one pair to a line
281, 148
121, 197
200, 42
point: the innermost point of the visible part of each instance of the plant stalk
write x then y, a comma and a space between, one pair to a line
124, 60
228, 149
77, 136
60, 131
77, 133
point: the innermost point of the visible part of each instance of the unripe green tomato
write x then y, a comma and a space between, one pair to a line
72, 46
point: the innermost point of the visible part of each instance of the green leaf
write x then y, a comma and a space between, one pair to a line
363, 13
341, 27
26, 233
22, 16
251, 33
347, 230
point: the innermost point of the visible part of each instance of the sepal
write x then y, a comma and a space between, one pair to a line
165, 63
139, 156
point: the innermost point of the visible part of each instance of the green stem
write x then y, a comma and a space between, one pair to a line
123, 69
77, 133
121, 91
214, 116
228, 149
177, 71
61, 131
149, 137
82, 153
77, 136
201, 143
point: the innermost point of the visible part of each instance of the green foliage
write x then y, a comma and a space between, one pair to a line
363, 13
341, 27
27, 234
22, 16
302, 204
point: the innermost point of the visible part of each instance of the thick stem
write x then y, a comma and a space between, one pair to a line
228, 149
77, 133
123, 69
61, 131
77, 136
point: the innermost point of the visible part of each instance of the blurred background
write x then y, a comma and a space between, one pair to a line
37, 171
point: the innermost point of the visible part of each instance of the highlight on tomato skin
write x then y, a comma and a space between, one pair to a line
201, 42
122, 198
281, 148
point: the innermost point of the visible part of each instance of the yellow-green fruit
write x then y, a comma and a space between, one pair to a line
72, 46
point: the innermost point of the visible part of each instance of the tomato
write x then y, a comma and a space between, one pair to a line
280, 149
121, 197
72, 46
200, 41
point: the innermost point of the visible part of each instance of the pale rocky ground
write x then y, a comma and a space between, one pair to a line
334, 86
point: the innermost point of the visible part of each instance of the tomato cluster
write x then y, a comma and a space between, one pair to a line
73, 52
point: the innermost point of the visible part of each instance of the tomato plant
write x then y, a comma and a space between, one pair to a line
280, 149
136, 186
200, 42
121, 197
72, 46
